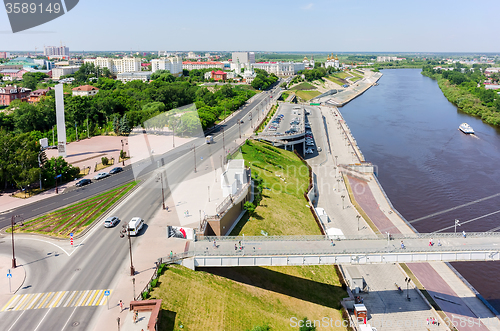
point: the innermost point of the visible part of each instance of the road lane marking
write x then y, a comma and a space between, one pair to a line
42, 319
23, 301
69, 318
16, 321
55, 300
8, 303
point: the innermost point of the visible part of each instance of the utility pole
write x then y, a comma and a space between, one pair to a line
76, 128
342, 196
358, 217
239, 126
457, 222
88, 133
55, 171
162, 195
12, 231
194, 150
127, 231
223, 141
40, 166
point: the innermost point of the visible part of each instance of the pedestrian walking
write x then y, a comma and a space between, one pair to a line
166, 207
235, 247
332, 243
136, 314
134, 318
463, 233
171, 254
402, 245
431, 243
121, 306
215, 244
439, 242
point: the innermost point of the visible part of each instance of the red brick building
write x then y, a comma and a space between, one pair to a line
35, 96
219, 75
11, 93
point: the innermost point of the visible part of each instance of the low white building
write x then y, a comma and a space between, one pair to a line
57, 73
173, 64
234, 178
85, 91
190, 65
280, 68
249, 75
124, 77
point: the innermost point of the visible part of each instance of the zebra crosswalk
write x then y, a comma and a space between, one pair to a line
56, 299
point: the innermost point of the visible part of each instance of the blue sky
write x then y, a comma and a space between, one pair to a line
272, 25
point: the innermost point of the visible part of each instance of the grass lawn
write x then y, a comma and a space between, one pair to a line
307, 95
242, 298
245, 297
304, 86
354, 79
336, 80
74, 218
356, 73
341, 74
285, 196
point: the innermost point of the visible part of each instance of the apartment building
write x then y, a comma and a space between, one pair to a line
173, 64
11, 93
116, 66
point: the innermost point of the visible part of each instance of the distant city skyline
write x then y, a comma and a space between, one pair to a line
275, 26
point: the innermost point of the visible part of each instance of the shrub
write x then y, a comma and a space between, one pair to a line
104, 160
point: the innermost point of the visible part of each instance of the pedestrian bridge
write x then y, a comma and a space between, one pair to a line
318, 250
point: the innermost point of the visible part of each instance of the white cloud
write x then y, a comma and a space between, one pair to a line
308, 6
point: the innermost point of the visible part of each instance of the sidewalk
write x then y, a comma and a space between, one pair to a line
18, 275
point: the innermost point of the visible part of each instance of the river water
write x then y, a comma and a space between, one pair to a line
409, 130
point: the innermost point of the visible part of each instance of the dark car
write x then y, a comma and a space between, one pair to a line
83, 182
116, 170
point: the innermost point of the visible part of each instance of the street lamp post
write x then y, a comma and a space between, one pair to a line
123, 158
358, 217
126, 231
338, 184
133, 285
194, 151
342, 196
12, 223
55, 171
336, 160
457, 222
239, 126
162, 194
407, 281
40, 166
223, 141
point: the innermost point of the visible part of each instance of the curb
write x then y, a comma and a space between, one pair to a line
88, 228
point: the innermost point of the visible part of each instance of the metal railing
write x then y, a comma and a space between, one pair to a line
396, 236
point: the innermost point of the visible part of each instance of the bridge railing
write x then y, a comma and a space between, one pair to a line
395, 236
251, 251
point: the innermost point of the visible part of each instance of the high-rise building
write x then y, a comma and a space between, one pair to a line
4, 55
244, 57
173, 64
53, 51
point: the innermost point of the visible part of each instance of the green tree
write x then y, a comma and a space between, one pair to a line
116, 124
307, 325
124, 127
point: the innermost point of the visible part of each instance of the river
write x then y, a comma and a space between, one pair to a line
409, 130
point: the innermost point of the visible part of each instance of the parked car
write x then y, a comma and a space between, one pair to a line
116, 170
111, 221
309, 144
83, 182
101, 175
309, 151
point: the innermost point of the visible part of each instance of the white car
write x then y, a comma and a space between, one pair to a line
101, 175
111, 221
309, 144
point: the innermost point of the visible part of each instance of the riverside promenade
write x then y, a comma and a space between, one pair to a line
366, 198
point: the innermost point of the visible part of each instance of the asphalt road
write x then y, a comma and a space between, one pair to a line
95, 263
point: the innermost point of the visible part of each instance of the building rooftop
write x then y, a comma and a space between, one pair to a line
85, 88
